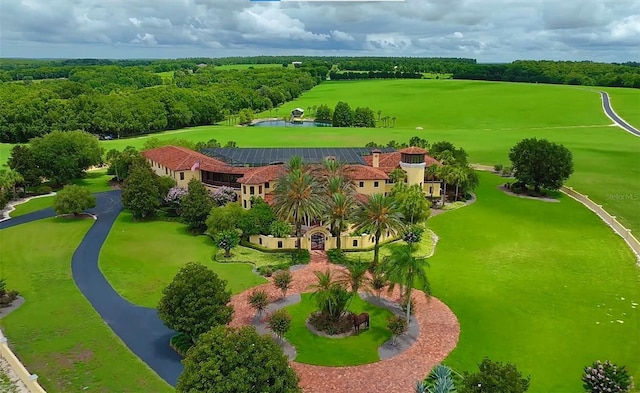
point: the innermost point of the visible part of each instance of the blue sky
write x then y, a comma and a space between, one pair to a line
488, 30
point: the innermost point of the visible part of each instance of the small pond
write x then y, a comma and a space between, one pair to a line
282, 123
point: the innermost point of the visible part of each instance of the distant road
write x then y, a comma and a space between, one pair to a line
611, 114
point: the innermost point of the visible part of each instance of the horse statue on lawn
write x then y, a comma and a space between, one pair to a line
359, 320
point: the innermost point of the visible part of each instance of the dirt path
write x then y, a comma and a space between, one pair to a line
439, 332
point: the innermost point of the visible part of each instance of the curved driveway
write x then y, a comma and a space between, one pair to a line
139, 327
611, 114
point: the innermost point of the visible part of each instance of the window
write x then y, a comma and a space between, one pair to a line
355, 243
279, 243
252, 190
259, 189
266, 185
244, 189
430, 190
244, 204
181, 175
375, 184
361, 184
260, 241
166, 170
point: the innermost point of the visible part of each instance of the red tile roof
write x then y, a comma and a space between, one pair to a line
363, 172
261, 174
413, 150
179, 158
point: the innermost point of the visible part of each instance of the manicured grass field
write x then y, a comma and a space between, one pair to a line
139, 259
544, 285
424, 248
56, 333
95, 181
348, 351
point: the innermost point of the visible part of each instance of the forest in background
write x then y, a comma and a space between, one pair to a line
131, 97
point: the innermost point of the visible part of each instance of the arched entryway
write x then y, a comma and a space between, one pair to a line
317, 241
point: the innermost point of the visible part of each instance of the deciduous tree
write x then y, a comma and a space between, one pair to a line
196, 206
541, 164
140, 192
494, 377
195, 301
234, 360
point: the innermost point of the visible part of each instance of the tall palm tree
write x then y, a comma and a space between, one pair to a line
404, 268
355, 277
460, 175
297, 196
338, 195
339, 208
445, 174
378, 215
430, 172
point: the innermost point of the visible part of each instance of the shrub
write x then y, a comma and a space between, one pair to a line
606, 377
258, 300
282, 280
43, 190
279, 322
266, 271
300, 257
507, 171
498, 168
224, 195
378, 282
336, 256
181, 343
398, 326
495, 377
279, 229
73, 200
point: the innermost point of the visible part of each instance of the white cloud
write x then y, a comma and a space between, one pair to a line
270, 23
458, 34
388, 41
341, 36
627, 29
145, 39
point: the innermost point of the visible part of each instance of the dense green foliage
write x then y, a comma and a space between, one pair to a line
195, 206
226, 240
279, 322
233, 360
224, 218
140, 192
124, 101
494, 377
195, 301
258, 300
541, 164
73, 199
121, 162
58, 156
342, 115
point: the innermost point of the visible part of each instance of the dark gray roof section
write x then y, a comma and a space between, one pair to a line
260, 156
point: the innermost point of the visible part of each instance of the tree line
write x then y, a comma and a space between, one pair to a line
119, 102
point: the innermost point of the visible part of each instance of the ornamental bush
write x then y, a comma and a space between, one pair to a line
606, 377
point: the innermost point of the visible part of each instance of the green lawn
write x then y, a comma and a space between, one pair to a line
56, 333
538, 284
254, 257
139, 259
95, 181
348, 351
32, 206
626, 103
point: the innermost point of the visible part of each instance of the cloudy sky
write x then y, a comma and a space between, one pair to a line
488, 30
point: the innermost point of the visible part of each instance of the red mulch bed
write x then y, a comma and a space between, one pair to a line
439, 332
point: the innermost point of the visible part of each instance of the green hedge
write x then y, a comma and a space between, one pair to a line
181, 343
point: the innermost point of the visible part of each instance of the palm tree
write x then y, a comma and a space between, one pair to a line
394, 121
430, 173
297, 196
444, 173
339, 208
332, 297
397, 175
460, 175
355, 277
379, 114
9, 179
339, 195
378, 215
408, 270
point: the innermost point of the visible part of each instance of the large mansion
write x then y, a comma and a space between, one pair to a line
253, 171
